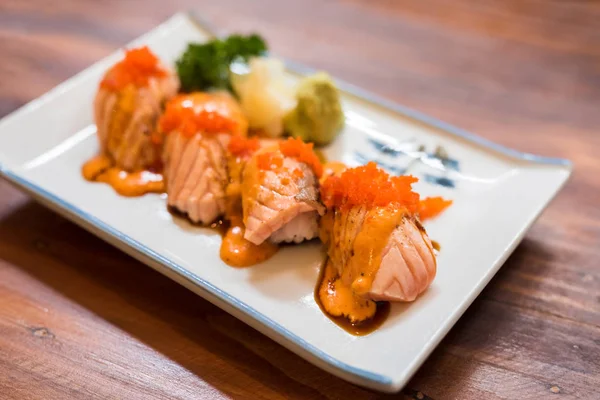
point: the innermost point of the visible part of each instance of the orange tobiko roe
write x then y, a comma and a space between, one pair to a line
270, 160
240, 146
302, 152
369, 186
138, 66
200, 112
298, 173
432, 206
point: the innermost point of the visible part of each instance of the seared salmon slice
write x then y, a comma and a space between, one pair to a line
196, 175
382, 253
126, 120
408, 264
197, 128
280, 204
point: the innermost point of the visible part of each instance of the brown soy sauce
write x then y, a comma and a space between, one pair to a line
221, 225
361, 328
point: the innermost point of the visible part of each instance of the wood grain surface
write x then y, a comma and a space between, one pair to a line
79, 319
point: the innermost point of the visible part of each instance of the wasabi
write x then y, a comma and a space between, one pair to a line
318, 115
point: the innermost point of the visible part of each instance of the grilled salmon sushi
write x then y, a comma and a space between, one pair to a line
378, 250
127, 106
196, 176
197, 130
280, 194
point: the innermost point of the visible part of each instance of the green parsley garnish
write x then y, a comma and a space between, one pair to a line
205, 66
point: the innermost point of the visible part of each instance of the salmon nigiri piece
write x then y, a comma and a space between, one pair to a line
376, 245
127, 106
198, 128
196, 175
280, 198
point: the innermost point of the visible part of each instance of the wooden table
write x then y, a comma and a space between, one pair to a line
79, 319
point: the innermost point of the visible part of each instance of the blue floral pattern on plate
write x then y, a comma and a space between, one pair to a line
401, 159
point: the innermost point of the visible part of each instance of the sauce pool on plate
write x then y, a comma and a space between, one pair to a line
327, 294
239, 252
129, 184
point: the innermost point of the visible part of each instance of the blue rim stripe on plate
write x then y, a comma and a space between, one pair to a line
400, 109
213, 290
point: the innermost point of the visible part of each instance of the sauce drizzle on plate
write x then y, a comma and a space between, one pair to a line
128, 184
361, 328
239, 252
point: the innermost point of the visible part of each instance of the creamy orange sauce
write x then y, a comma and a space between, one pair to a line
95, 166
339, 299
354, 261
129, 184
368, 246
133, 184
341, 305
238, 252
235, 250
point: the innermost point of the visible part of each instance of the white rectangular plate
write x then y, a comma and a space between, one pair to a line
497, 193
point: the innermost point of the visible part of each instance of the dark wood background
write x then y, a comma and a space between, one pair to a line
79, 319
